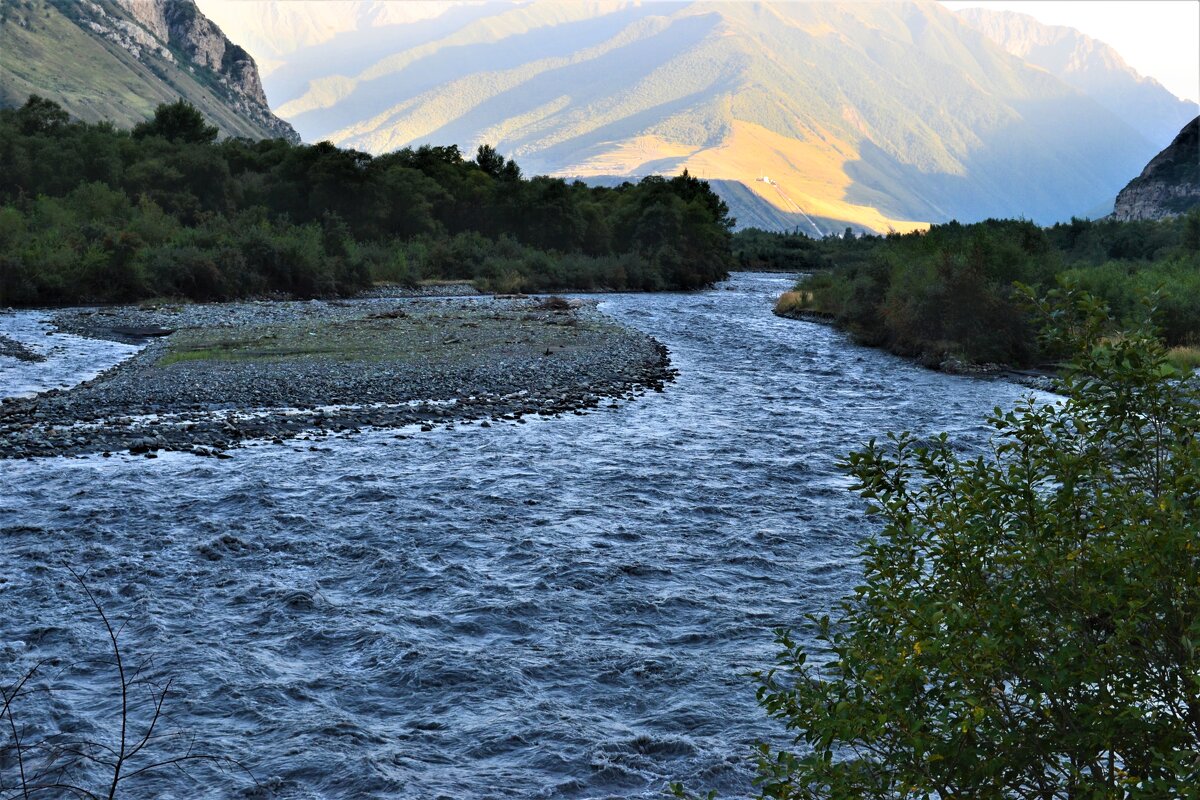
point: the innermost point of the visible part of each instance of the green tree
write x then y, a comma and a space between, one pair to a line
40, 115
105, 215
1028, 620
178, 122
492, 163
1191, 231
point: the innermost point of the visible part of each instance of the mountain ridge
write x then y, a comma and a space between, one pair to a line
115, 60
881, 116
1089, 65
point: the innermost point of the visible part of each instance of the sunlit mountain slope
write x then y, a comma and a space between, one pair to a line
115, 60
881, 115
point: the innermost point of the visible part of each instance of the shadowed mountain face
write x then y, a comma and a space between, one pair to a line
814, 115
116, 60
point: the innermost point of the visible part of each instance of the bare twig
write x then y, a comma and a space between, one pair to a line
46, 765
112, 636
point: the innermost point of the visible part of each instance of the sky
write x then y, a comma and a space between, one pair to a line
1159, 38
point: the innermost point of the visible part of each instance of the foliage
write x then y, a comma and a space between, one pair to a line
177, 122
1184, 359
90, 213
791, 304
1027, 621
756, 250
949, 292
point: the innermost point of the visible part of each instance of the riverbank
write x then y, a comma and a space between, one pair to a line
11, 348
952, 297
211, 377
791, 305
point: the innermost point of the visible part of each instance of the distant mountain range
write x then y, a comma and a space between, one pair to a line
816, 115
1090, 66
116, 60
802, 115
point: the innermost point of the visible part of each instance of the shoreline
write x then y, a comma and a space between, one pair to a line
1041, 380
216, 376
17, 350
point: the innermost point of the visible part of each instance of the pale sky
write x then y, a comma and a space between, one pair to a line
1159, 38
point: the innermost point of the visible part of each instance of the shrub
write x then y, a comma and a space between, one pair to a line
951, 288
792, 303
416, 214
1184, 359
1027, 621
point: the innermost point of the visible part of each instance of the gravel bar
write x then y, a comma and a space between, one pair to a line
214, 376
14, 349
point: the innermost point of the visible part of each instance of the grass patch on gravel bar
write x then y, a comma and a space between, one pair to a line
409, 336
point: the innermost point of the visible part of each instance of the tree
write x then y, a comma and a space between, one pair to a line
177, 122
493, 164
40, 115
1191, 231
1028, 620
212, 220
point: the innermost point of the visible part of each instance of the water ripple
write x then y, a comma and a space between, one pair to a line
559, 609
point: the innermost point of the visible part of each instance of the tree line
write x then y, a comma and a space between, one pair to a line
92, 213
952, 291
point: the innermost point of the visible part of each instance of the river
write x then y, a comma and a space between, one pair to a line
564, 608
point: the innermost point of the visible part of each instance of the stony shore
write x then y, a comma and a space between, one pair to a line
215, 376
14, 349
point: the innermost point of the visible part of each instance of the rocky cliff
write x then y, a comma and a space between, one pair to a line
1170, 183
118, 59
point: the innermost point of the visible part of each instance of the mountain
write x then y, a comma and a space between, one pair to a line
1170, 183
1090, 66
117, 60
876, 115
274, 30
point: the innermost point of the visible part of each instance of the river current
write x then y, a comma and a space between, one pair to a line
564, 608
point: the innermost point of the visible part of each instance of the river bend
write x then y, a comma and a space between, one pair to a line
564, 608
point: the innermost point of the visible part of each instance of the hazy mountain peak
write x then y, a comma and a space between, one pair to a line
1089, 65
274, 30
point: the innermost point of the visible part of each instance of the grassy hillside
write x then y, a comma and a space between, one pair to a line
48, 50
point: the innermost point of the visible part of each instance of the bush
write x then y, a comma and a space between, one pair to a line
951, 289
1027, 621
793, 303
74, 198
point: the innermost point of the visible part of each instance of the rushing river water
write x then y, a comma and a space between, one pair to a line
565, 608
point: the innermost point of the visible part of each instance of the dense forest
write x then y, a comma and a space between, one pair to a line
91, 213
951, 293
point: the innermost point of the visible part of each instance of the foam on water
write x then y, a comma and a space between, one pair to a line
69, 359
